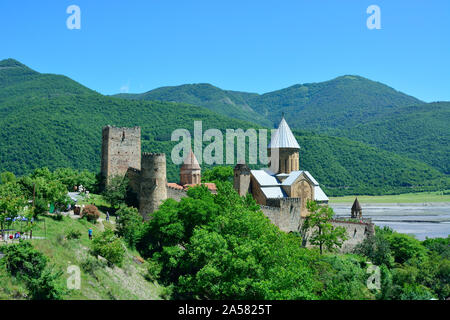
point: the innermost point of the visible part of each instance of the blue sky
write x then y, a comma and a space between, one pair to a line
247, 45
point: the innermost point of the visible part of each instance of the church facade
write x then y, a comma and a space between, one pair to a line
288, 182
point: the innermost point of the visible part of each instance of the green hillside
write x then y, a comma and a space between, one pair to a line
348, 106
49, 120
230, 103
343, 167
341, 102
419, 132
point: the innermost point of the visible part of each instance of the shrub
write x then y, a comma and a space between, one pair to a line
130, 225
46, 287
109, 246
153, 270
23, 261
90, 265
91, 213
30, 265
73, 234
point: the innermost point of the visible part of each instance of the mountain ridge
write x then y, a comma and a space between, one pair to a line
51, 120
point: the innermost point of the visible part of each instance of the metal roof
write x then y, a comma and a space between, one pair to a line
314, 181
273, 192
295, 174
319, 195
292, 177
273, 189
283, 137
264, 179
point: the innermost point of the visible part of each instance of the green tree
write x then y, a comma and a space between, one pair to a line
322, 232
109, 246
377, 249
6, 177
12, 203
116, 191
218, 173
405, 247
129, 225
30, 266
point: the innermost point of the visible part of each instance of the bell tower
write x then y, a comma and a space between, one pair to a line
286, 146
190, 171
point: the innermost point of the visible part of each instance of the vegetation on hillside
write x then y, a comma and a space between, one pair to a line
65, 131
420, 132
232, 104
210, 246
348, 106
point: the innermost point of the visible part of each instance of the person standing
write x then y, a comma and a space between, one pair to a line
107, 216
90, 233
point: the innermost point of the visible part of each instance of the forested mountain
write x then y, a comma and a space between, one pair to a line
418, 132
230, 103
341, 102
50, 120
348, 106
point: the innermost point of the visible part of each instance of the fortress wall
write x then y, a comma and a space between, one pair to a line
121, 149
356, 233
287, 217
176, 194
153, 186
134, 177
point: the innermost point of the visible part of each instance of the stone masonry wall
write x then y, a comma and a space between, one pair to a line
176, 194
153, 186
286, 215
121, 149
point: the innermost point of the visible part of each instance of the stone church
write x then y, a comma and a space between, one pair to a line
288, 182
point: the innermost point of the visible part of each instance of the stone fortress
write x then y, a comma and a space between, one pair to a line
282, 195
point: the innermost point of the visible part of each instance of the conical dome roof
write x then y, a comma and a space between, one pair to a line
283, 137
356, 206
190, 162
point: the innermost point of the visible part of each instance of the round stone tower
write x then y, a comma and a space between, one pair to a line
241, 180
153, 188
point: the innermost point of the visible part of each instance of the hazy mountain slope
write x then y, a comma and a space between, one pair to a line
348, 106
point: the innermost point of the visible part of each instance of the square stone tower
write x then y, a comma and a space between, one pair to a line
121, 150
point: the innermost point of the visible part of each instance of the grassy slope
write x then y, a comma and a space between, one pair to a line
104, 283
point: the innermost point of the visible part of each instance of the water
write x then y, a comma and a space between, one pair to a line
423, 220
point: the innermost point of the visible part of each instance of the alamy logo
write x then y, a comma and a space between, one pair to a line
374, 280
374, 21
213, 153
74, 279
74, 20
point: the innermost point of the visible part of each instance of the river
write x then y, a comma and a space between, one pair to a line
423, 220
